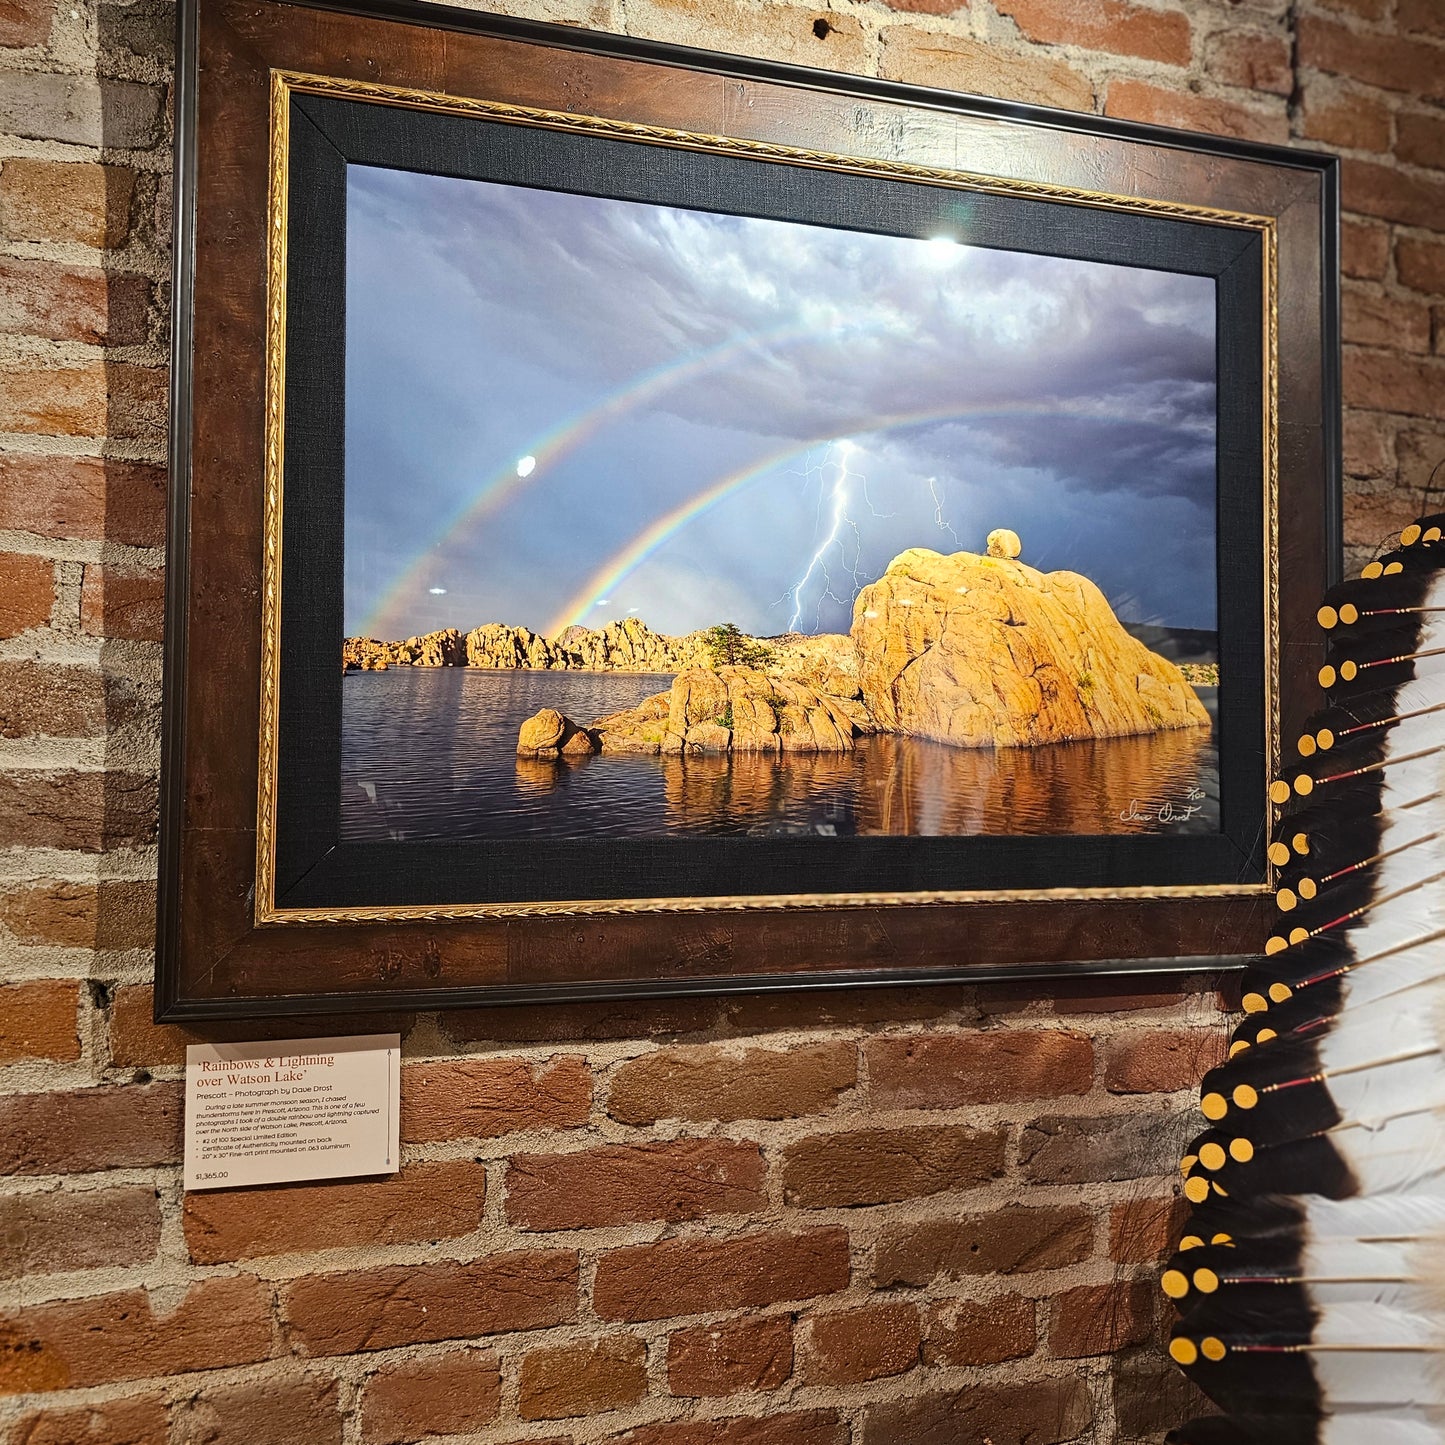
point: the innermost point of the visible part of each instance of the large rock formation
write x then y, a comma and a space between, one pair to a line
444, 648
987, 651
735, 709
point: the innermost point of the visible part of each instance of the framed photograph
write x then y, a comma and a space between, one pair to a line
646, 521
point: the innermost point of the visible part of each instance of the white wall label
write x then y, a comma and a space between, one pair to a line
291, 1109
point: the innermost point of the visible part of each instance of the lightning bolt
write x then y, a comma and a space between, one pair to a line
840, 522
938, 505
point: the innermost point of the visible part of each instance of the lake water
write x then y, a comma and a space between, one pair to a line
431, 753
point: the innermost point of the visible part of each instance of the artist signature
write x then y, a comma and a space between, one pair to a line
1167, 812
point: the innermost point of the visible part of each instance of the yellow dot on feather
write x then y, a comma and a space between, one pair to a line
1187, 1163
1279, 992
1432, 534
1285, 900
1241, 1151
1255, 1003
1214, 1107
1271, 946
1224, 1239
1206, 1281
1174, 1283
1212, 1348
1300, 842
1238, 1047
1212, 1155
1304, 785
1410, 535
1279, 791
1349, 613
1307, 887
1327, 617
1297, 935
1191, 1241
1196, 1190
1245, 1096
1183, 1352
1218, 1189
1279, 854
1306, 746
1327, 676
1393, 568
1349, 669
1325, 739
1372, 569
1264, 1036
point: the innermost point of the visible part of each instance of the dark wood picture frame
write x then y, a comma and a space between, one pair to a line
264, 910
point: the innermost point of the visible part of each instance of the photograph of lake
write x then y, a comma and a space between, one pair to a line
665, 522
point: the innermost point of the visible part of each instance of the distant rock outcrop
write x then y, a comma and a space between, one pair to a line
735, 709
987, 651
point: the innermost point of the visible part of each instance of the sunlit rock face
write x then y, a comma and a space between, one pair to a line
984, 651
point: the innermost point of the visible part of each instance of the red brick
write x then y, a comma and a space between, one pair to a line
1364, 250
450, 1394
1384, 381
686, 1179
927, 7
115, 603
1012, 1240
25, 23
85, 811
1421, 264
135, 1420
378, 1309
136, 1040
730, 1357
956, 62
1146, 1231
810, 1427
852, 1346
1066, 1149
41, 699
62, 1230
73, 1343
1162, 1061
65, 201
422, 1202
1035, 1412
1097, 1319
1113, 26
697, 1276
1138, 100
880, 1166
38, 1020
943, 1071
1368, 452
1346, 119
1251, 60
87, 1129
712, 1082
81, 915
27, 592
584, 1379
1381, 190
1374, 520
486, 1098
80, 110
270, 1412
1420, 17
1421, 138
1388, 61
72, 303
979, 1332
87, 497
53, 401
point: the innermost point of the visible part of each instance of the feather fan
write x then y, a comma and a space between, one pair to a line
1310, 1281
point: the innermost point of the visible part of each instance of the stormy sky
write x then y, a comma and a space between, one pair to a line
567, 409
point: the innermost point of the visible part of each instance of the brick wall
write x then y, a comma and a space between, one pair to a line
907, 1216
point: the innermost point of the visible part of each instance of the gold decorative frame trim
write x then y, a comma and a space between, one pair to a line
285, 83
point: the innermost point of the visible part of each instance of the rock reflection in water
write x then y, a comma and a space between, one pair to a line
431, 753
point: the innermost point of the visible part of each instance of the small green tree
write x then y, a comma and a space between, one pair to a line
729, 646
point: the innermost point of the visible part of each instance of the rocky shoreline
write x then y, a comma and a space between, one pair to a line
971, 650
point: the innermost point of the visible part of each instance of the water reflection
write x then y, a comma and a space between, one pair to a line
430, 753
